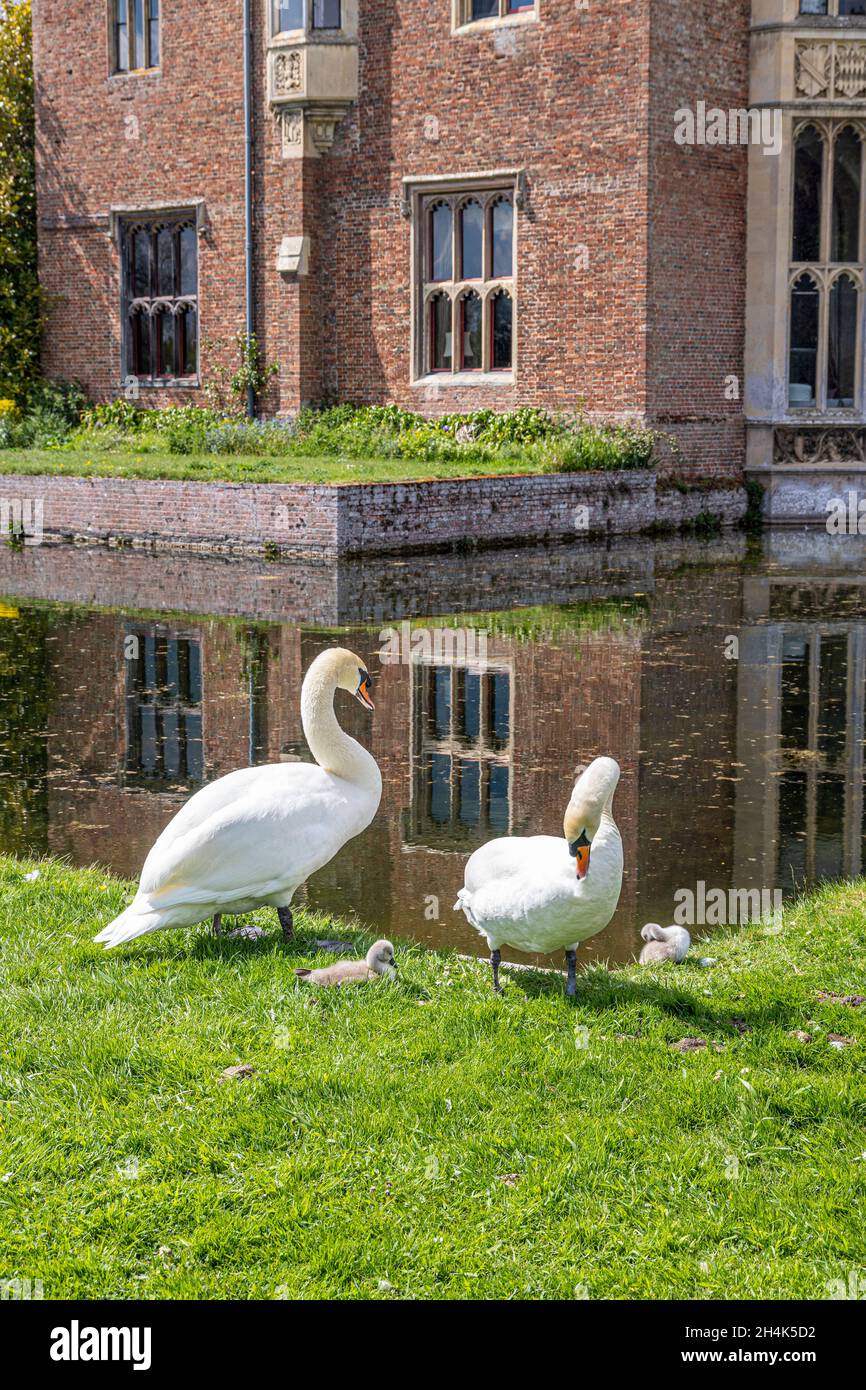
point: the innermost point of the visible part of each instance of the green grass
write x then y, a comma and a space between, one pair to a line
236, 468
366, 1155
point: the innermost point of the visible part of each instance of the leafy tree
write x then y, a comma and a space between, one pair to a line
20, 298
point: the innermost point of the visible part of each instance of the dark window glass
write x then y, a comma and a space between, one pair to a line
440, 788
194, 747
793, 821
501, 332
500, 711
472, 704
142, 361
484, 9
829, 827
842, 342
470, 313
153, 34
440, 333
188, 260
804, 342
813, 6
497, 799
190, 342
441, 259
845, 223
471, 227
808, 175
442, 701
141, 264
848, 7
833, 697
470, 793
122, 39
326, 14
166, 324
139, 60
289, 15
502, 257
794, 694
165, 281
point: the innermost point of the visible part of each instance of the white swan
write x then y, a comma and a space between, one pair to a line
250, 839
524, 892
664, 943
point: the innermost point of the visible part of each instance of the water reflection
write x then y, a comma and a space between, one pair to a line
742, 761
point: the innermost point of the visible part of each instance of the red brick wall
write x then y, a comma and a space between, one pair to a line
583, 101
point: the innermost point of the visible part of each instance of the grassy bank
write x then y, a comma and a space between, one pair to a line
424, 1139
125, 462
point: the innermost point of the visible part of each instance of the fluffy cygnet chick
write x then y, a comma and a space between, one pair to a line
379, 961
664, 943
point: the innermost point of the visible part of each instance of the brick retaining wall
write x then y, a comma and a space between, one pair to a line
320, 521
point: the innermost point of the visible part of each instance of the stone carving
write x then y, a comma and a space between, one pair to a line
793, 445
287, 73
830, 71
292, 123
850, 69
813, 70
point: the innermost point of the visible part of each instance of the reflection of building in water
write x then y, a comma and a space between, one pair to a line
163, 705
802, 672
461, 755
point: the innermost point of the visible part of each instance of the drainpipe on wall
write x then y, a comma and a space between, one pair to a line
248, 187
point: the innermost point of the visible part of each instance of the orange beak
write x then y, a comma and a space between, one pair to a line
363, 694
582, 861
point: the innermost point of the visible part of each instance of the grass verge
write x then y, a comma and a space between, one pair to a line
423, 1139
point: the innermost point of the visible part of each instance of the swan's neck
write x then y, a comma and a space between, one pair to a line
331, 747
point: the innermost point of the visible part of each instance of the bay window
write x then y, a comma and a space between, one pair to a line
825, 280
291, 16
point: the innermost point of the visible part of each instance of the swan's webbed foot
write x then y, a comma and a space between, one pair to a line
288, 926
571, 982
218, 924
495, 958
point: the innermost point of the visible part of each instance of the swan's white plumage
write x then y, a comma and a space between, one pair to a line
523, 891
251, 838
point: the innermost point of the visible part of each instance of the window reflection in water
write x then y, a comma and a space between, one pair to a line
163, 706
461, 781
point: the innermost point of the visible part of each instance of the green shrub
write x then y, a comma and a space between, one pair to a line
20, 295
53, 409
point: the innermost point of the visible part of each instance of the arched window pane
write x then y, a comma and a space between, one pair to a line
808, 175
440, 243
165, 261
141, 264
845, 230
440, 333
142, 363
471, 225
804, 342
470, 309
167, 357
842, 342
503, 257
501, 332
188, 260
190, 342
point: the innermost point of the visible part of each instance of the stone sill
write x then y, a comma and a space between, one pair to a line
445, 379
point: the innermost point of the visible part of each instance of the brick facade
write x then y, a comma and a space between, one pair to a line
646, 321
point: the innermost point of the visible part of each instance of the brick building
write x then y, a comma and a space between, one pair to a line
457, 204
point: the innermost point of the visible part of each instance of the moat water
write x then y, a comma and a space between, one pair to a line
727, 678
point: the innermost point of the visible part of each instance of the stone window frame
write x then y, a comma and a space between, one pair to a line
462, 21
825, 272
128, 6
347, 27
123, 221
420, 195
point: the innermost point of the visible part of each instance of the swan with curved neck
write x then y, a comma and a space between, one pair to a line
540, 893
250, 839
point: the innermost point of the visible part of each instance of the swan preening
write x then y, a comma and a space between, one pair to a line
250, 839
664, 943
540, 893
379, 961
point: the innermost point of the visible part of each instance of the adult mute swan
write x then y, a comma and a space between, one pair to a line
664, 943
250, 839
542, 893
